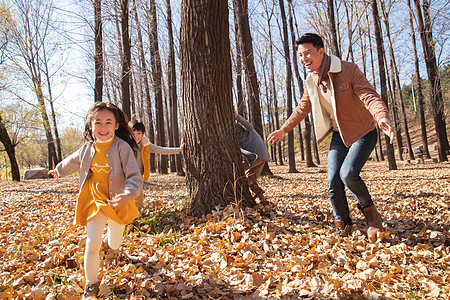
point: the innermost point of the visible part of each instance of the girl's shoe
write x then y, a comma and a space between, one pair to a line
91, 290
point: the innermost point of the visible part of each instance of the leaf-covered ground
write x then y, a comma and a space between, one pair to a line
286, 250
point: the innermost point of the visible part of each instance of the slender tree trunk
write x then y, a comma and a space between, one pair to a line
393, 104
213, 159
126, 59
332, 25
277, 148
148, 100
238, 66
314, 141
48, 133
98, 58
173, 90
307, 128
157, 85
417, 84
437, 104
373, 79
396, 80
380, 53
297, 73
10, 150
241, 7
349, 16
291, 150
52, 108
132, 96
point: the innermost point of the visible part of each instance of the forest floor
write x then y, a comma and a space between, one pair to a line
285, 250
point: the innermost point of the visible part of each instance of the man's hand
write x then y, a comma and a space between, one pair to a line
276, 136
54, 174
387, 129
120, 200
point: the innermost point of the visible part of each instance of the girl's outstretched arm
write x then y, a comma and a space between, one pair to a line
54, 174
182, 145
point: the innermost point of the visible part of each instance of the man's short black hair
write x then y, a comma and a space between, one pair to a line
139, 126
312, 38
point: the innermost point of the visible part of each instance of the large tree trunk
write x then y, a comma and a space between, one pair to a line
437, 103
98, 58
213, 161
383, 94
10, 150
157, 86
126, 59
173, 91
417, 84
287, 57
148, 100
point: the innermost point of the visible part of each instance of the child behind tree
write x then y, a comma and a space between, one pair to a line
144, 148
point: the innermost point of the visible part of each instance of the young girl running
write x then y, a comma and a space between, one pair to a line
109, 181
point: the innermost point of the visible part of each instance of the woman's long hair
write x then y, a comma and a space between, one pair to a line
123, 131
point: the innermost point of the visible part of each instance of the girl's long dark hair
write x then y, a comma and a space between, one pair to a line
123, 131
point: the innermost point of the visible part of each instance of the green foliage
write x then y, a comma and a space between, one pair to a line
71, 140
445, 85
25, 130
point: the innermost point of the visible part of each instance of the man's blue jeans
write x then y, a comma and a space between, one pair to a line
344, 166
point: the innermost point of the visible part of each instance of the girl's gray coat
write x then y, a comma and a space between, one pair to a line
124, 177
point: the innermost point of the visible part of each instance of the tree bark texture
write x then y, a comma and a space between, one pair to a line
98, 58
213, 161
332, 25
126, 59
238, 67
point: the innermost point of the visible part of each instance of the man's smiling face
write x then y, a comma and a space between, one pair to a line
310, 56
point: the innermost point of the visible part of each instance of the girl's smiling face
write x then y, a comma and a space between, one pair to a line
104, 125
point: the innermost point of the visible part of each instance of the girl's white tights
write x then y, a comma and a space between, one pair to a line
95, 228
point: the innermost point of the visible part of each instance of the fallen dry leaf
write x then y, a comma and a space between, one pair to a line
281, 251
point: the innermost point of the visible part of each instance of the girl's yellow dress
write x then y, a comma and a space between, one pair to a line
94, 197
